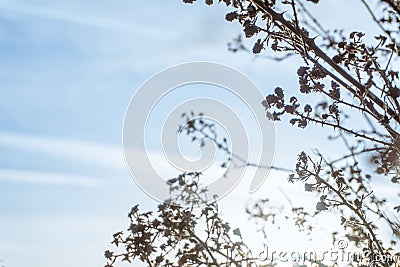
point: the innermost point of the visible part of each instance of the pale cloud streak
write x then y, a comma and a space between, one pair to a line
107, 156
48, 178
76, 18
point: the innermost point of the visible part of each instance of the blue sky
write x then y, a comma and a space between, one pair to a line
67, 74
68, 70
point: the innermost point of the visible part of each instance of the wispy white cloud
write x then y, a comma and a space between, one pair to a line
77, 18
39, 177
107, 156
102, 156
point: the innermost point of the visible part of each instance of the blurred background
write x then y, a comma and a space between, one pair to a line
68, 70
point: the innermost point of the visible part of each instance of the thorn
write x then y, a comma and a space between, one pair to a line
280, 15
312, 39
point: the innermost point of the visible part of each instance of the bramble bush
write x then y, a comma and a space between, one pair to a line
349, 75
